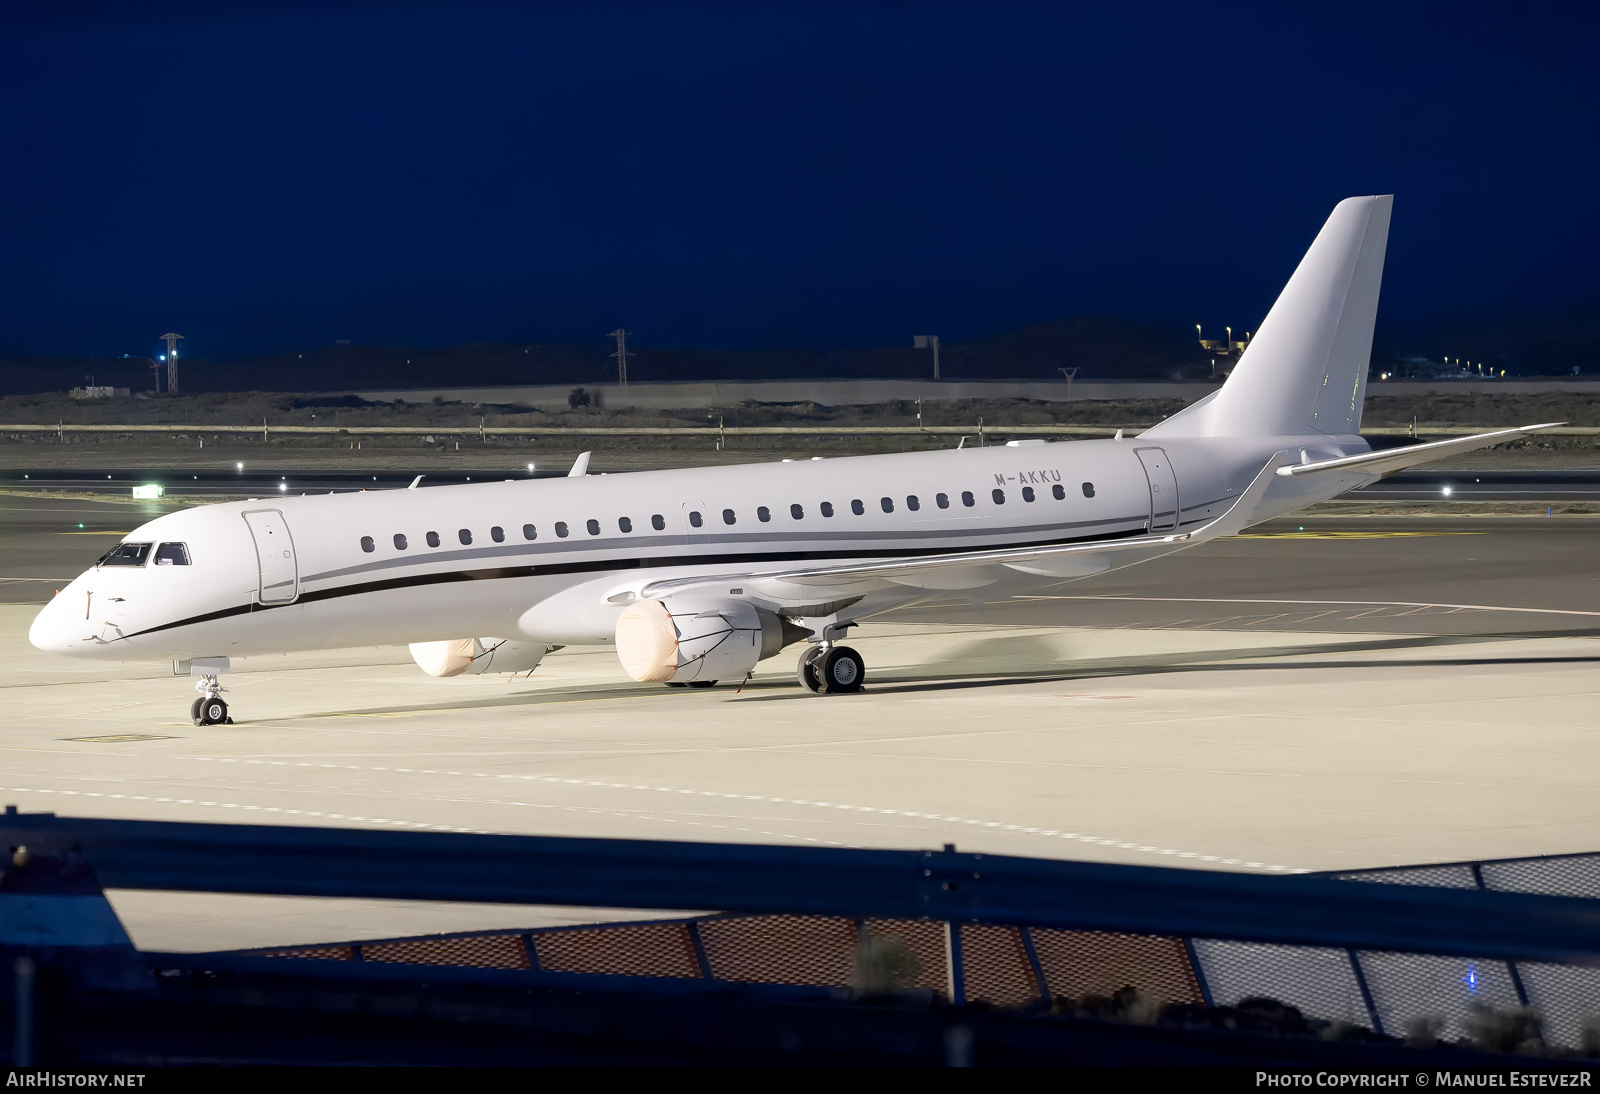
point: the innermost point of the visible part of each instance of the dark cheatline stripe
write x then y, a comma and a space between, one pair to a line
602, 566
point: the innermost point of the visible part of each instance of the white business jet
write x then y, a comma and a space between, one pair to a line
695, 576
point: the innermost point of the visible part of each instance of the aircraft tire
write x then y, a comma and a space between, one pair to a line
702, 683
806, 670
213, 712
194, 710
842, 671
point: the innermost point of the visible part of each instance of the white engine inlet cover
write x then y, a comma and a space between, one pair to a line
687, 641
476, 656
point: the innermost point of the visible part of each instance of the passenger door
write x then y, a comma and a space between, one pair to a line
691, 511
275, 556
1164, 507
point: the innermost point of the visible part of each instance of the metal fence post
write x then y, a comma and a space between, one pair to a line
700, 956
1033, 963
956, 982
1366, 992
1199, 973
22, 1032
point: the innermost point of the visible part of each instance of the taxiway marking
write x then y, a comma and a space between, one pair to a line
1048, 833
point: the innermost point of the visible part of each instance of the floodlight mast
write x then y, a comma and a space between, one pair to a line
172, 361
622, 355
928, 341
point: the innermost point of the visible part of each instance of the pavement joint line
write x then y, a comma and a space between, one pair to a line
597, 784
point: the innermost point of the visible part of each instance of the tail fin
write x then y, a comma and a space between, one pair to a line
1306, 369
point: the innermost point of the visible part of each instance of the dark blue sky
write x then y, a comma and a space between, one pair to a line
739, 175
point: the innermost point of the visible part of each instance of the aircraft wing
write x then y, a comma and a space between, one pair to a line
1391, 460
1231, 522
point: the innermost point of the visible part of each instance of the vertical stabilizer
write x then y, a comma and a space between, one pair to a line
1306, 369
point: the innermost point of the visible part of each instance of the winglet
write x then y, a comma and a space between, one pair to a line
414, 482
580, 466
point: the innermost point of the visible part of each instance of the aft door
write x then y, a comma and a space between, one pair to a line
1163, 489
275, 556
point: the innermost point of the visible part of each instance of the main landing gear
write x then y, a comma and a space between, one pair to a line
831, 670
209, 709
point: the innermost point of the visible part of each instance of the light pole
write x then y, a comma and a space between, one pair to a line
1069, 373
928, 341
172, 361
622, 356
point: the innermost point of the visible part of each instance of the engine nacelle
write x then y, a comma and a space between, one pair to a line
476, 656
690, 640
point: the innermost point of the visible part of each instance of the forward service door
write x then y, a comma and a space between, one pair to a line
275, 555
1164, 509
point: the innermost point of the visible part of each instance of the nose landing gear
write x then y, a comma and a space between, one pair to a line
209, 709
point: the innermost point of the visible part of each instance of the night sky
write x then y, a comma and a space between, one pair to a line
263, 177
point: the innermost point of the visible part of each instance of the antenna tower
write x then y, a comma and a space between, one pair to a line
621, 355
172, 361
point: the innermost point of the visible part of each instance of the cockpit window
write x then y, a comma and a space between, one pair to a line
172, 554
125, 554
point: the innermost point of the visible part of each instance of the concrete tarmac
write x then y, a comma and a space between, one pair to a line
1326, 694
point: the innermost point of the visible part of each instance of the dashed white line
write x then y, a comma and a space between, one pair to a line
235, 805
1048, 833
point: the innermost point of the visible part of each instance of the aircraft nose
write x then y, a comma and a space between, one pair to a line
52, 630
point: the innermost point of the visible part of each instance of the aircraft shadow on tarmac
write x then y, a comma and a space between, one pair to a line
942, 675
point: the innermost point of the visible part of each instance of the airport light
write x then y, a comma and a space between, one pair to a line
148, 492
1445, 491
239, 466
283, 486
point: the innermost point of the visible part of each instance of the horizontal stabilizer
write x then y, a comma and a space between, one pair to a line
1391, 460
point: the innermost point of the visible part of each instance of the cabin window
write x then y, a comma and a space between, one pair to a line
942, 500
763, 514
125, 554
172, 554
465, 535
625, 524
1088, 489
912, 503
857, 508
1027, 493
400, 541
967, 499
827, 508
432, 538
999, 496
561, 529
695, 520
728, 517
367, 545
529, 532
593, 526
887, 504
796, 512
1058, 492
498, 534
658, 522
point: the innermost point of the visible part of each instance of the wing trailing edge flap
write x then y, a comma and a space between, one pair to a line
966, 569
1389, 460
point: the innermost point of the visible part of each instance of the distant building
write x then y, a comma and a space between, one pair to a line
1225, 352
99, 393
